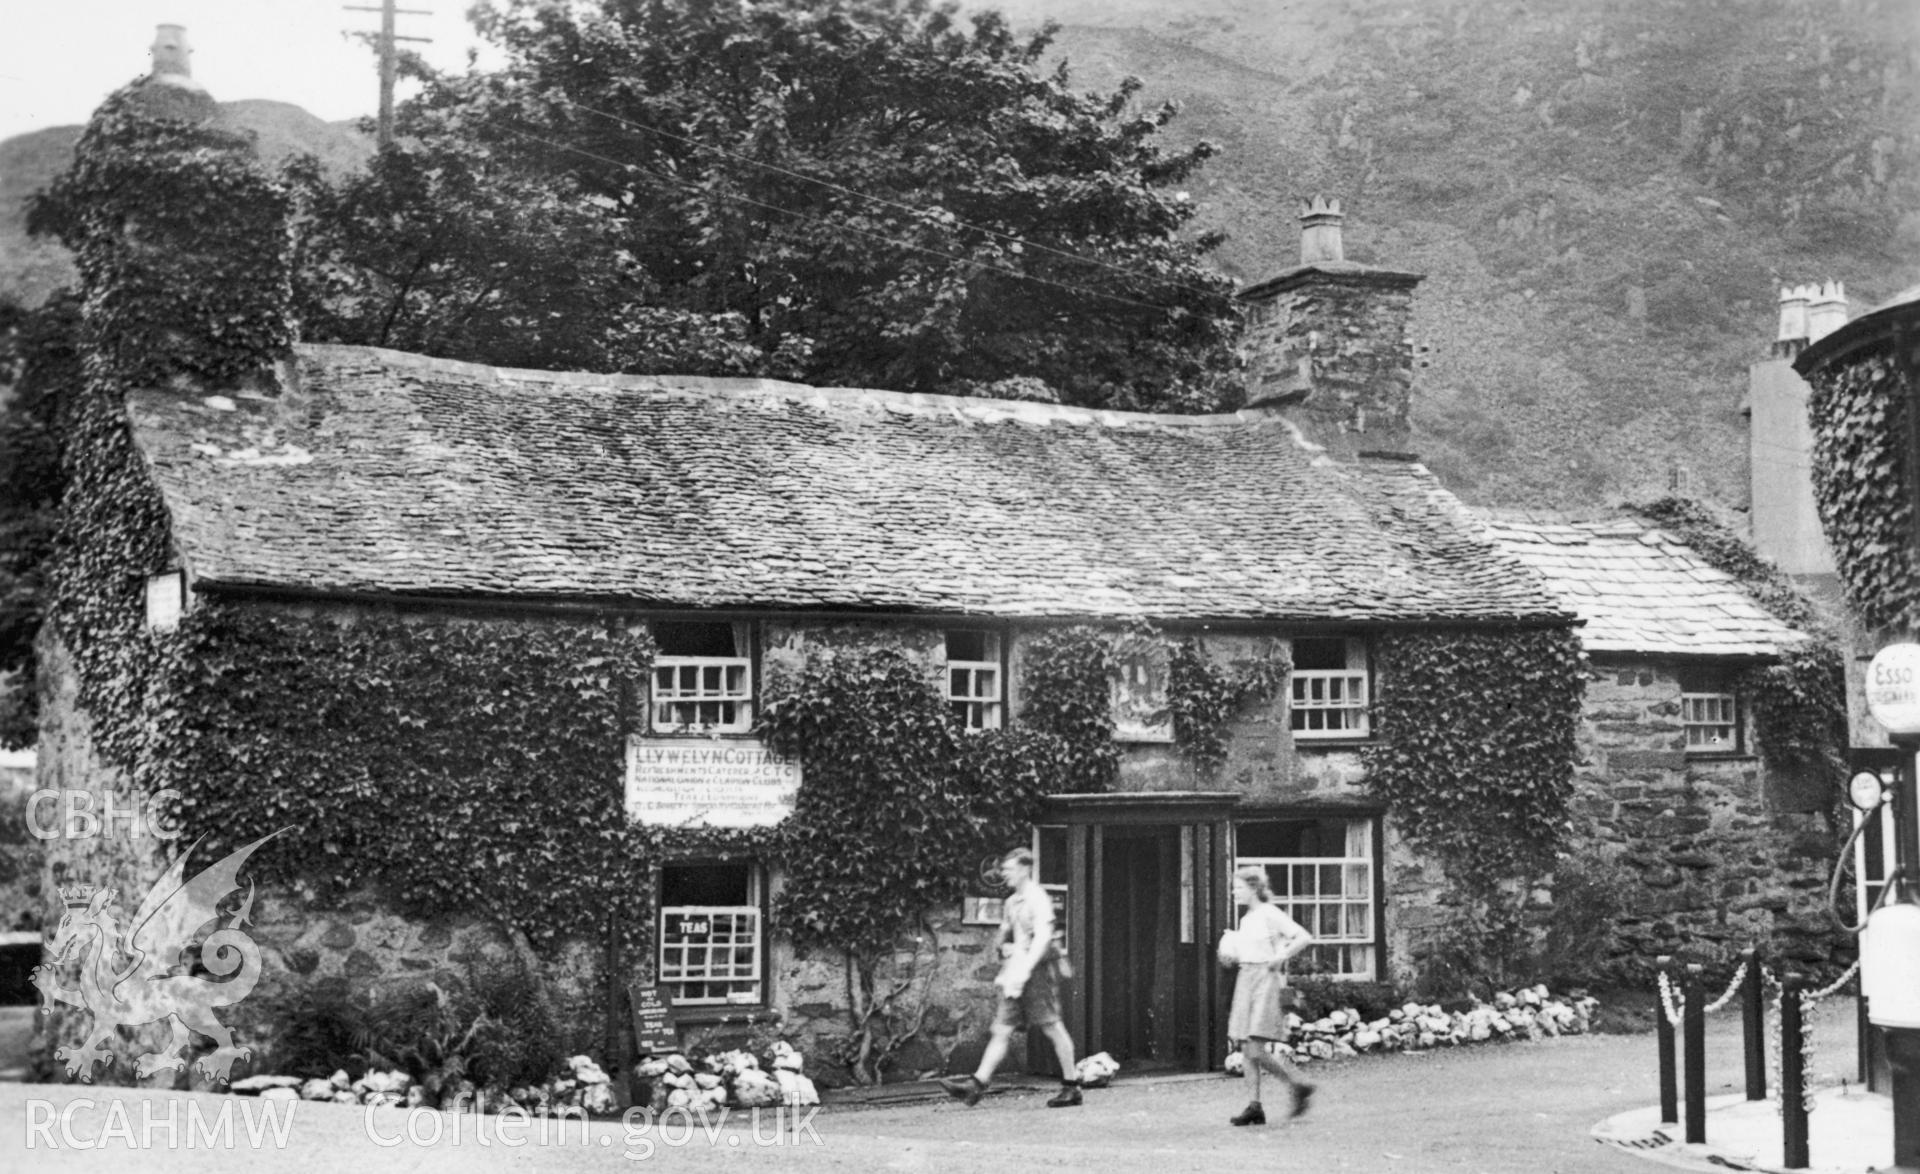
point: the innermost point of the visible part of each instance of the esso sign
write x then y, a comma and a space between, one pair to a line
1893, 688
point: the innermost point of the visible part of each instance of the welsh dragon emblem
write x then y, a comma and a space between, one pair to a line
144, 988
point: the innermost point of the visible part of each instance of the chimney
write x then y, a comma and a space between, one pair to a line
1826, 309
1792, 338
1327, 340
171, 53
1320, 231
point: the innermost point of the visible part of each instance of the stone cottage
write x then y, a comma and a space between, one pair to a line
747, 524
1723, 848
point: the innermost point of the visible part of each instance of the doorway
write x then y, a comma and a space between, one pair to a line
1144, 985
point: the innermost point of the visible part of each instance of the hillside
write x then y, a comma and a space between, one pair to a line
1605, 195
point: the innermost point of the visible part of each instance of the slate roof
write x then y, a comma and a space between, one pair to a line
1640, 590
388, 473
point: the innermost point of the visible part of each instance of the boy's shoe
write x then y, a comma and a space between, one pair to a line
1253, 1114
1302, 1097
1067, 1097
968, 1088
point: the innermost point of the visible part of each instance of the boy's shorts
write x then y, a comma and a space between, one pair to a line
1038, 1004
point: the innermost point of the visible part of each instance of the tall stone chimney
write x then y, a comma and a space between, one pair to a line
1327, 340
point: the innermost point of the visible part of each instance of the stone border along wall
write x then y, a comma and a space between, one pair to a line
1714, 866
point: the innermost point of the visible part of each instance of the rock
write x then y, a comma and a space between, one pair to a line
598, 1098
416, 1097
279, 1092
260, 1084
317, 1089
342, 1096
341, 1080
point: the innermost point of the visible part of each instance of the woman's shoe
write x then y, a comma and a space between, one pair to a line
1302, 1097
1253, 1114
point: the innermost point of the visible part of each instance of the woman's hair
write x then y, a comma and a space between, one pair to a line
1256, 878
1024, 856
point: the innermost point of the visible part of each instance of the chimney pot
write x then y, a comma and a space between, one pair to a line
1826, 309
1792, 337
170, 51
1320, 220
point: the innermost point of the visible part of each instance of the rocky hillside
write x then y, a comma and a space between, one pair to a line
1605, 195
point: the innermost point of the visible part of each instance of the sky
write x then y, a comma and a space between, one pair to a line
64, 56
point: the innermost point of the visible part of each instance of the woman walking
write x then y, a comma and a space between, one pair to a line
1266, 939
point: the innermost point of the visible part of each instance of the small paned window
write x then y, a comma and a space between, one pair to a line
702, 677
1327, 693
711, 927
973, 679
1709, 713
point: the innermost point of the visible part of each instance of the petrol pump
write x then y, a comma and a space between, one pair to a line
1890, 938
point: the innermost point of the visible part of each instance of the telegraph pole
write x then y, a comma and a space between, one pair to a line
389, 56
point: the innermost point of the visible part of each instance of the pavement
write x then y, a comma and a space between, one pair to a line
1849, 1131
1522, 1108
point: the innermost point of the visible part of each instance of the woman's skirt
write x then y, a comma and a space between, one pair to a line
1257, 1013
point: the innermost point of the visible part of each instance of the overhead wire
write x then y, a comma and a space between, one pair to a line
1016, 274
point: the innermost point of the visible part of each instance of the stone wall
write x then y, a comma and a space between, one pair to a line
1336, 344
1708, 864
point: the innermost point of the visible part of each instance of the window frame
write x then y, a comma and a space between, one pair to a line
1705, 687
1374, 943
757, 905
745, 633
1359, 666
993, 711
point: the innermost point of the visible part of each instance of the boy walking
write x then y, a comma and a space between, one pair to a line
1029, 983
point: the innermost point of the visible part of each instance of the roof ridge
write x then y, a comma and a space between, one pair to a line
984, 409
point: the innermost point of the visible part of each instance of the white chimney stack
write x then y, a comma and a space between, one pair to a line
1792, 338
1826, 310
1320, 231
171, 53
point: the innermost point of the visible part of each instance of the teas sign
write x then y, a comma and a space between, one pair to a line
705, 783
1893, 688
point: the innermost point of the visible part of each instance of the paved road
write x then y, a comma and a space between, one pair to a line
1514, 1109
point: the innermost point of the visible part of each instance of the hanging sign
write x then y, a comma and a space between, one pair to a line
1893, 688
687, 782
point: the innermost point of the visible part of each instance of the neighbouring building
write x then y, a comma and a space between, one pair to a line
1722, 848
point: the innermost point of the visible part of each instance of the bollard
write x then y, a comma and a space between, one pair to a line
1793, 1076
1693, 1041
1663, 1034
1753, 1027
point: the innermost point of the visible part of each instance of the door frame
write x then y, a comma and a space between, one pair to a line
1086, 818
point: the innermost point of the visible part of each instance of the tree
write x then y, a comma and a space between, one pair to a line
40, 363
855, 192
